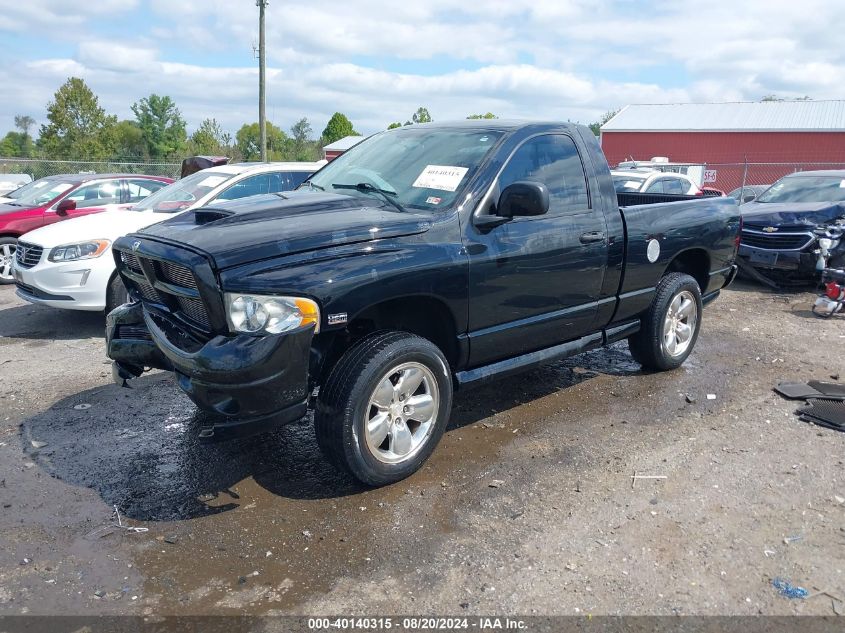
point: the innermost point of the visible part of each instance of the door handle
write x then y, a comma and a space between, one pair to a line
592, 236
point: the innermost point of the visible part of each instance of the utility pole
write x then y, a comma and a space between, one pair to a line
262, 78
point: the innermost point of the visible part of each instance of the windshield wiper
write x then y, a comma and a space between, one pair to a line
313, 186
368, 188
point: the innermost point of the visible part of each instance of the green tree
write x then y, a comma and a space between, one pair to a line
301, 146
421, 116
338, 127
596, 126
77, 126
24, 123
394, 125
210, 139
489, 115
248, 141
15, 145
129, 141
162, 126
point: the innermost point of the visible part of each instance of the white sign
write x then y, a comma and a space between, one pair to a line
709, 175
441, 177
212, 181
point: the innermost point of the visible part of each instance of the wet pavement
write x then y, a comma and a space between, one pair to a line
527, 506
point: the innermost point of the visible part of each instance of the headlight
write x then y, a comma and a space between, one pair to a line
82, 250
262, 314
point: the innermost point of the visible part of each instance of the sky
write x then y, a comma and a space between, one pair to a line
377, 61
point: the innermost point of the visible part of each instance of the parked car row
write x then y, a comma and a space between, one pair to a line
70, 265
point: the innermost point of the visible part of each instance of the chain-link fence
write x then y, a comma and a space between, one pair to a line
729, 176
38, 168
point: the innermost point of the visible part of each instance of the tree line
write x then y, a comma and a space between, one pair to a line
78, 128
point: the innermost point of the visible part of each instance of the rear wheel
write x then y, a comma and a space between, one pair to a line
384, 407
116, 294
670, 326
8, 246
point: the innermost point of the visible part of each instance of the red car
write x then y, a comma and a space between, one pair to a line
64, 197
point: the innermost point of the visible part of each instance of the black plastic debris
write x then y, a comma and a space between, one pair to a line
825, 402
796, 390
831, 389
827, 413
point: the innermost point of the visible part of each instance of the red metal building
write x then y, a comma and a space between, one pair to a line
774, 138
333, 150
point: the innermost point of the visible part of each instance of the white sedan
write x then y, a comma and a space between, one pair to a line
652, 181
70, 264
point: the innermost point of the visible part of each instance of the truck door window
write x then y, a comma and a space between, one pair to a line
554, 161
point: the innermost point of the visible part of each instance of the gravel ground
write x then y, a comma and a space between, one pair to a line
527, 507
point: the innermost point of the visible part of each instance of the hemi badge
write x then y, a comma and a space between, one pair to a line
337, 319
770, 229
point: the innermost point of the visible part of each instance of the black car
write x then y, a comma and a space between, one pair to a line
778, 235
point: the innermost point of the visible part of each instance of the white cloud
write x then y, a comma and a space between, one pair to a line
378, 60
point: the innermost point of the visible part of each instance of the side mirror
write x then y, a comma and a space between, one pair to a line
523, 198
65, 206
748, 198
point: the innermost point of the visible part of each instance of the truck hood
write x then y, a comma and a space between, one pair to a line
800, 215
108, 225
263, 227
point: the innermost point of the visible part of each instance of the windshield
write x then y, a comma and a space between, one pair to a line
805, 189
41, 192
183, 193
627, 183
417, 168
22, 191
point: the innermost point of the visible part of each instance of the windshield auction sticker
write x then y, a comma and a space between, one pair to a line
441, 177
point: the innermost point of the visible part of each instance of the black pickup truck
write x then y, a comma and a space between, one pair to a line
425, 259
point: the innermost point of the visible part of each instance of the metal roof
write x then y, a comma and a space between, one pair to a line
344, 144
757, 116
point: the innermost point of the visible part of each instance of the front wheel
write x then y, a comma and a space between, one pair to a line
384, 407
116, 294
670, 326
8, 246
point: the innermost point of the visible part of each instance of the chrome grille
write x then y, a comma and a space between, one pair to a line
776, 241
131, 262
194, 309
136, 332
176, 274
28, 255
147, 291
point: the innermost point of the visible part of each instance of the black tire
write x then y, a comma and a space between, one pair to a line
647, 346
343, 405
116, 294
11, 241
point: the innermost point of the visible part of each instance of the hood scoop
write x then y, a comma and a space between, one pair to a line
207, 216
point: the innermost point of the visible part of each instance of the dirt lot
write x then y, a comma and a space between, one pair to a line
527, 506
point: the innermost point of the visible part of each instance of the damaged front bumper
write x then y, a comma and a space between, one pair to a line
253, 382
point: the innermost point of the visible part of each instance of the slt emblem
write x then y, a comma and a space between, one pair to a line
770, 229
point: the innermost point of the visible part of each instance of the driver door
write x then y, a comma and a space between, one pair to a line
535, 281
